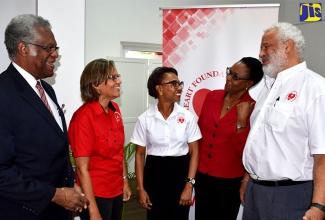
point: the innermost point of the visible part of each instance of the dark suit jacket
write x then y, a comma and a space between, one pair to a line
33, 152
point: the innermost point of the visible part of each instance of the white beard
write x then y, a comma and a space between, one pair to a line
276, 64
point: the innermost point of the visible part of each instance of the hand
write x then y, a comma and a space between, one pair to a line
70, 199
313, 214
186, 195
144, 199
244, 110
126, 191
95, 216
77, 188
242, 191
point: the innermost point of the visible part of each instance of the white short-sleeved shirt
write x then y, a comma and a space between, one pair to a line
288, 126
166, 137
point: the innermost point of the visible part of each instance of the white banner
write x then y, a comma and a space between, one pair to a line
200, 43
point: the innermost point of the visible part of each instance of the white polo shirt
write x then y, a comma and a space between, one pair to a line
288, 126
166, 137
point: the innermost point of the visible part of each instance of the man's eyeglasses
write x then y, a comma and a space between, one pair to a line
175, 84
48, 49
114, 77
234, 75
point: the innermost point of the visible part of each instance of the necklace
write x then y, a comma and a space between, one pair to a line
232, 104
235, 102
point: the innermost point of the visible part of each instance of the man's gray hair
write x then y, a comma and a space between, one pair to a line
23, 28
288, 31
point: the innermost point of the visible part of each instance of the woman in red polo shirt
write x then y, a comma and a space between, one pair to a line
225, 126
96, 134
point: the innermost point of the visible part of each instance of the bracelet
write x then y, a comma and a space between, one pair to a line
65, 195
317, 205
125, 177
238, 126
244, 180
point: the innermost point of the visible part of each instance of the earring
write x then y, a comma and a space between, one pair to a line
246, 88
160, 93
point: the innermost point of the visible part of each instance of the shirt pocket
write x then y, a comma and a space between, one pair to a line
181, 133
105, 146
279, 115
110, 144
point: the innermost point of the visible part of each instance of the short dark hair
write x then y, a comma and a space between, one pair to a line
23, 28
255, 68
156, 78
94, 74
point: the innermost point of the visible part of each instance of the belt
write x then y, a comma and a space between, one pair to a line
279, 182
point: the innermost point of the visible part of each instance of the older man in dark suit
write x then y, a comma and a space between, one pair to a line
36, 177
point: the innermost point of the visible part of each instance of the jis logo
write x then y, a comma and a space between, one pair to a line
310, 12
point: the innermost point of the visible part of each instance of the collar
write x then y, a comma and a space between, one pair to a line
269, 81
153, 110
98, 109
287, 74
27, 76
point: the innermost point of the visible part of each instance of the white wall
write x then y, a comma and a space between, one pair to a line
110, 21
8, 10
68, 25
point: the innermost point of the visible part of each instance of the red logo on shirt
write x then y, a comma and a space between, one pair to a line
180, 120
292, 96
117, 116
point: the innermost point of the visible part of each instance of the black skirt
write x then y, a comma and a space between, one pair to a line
164, 181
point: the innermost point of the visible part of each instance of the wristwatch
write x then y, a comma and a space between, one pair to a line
190, 180
238, 126
317, 205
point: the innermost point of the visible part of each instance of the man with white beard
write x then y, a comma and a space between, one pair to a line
285, 150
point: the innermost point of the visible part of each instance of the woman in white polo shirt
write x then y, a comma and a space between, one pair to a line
166, 158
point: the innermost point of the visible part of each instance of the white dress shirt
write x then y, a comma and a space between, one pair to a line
32, 82
288, 126
166, 137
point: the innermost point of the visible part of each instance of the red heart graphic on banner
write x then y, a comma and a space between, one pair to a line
198, 100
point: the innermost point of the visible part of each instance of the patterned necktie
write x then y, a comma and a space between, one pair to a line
43, 96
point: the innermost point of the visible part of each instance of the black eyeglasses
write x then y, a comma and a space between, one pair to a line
234, 75
114, 77
48, 49
175, 84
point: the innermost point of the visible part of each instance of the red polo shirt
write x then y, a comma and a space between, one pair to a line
100, 136
221, 146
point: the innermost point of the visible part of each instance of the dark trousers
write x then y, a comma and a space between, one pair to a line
277, 203
109, 208
164, 181
216, 198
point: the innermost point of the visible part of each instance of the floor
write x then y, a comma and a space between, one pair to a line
132, 209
